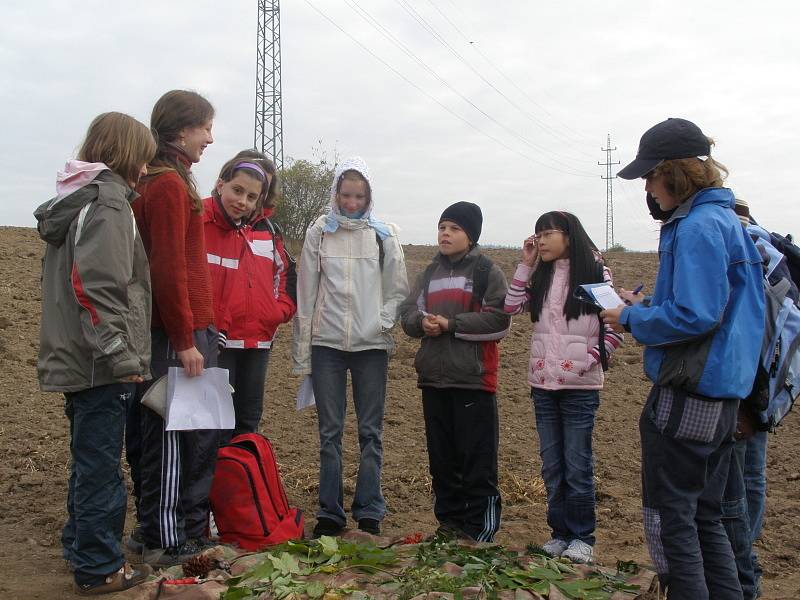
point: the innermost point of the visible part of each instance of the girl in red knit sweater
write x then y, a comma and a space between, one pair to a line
176, 467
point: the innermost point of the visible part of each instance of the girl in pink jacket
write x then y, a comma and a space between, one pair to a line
565, 371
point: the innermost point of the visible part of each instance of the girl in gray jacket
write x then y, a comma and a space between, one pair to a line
95, 336
351, 280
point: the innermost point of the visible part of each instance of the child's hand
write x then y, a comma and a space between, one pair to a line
530, 251
443, 322
192, 361
430, 326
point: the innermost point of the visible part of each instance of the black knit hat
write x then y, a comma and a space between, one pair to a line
670, 139
466, 215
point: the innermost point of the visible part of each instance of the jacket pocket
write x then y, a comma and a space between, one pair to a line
683, 364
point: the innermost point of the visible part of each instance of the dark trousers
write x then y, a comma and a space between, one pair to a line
176, 467
461, 428
96, 500
247, 370
686, 452
133, 441
736, 519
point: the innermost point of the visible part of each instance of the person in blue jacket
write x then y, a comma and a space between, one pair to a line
702, 329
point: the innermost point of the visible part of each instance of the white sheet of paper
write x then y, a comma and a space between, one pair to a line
606, 296
202, 402
305, 395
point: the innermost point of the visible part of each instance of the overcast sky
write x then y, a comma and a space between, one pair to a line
536, 87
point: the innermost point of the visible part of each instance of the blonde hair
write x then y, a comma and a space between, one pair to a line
683, 177
121, 142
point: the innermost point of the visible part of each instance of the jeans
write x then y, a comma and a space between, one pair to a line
96, 500
565, 421
462, 434
736, 520
246, 372
687, 444
755, 483
368, 370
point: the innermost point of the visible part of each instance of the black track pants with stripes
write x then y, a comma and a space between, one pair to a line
176, 467
461, 429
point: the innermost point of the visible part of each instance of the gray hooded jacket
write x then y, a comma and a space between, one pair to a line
345, 298
95, 289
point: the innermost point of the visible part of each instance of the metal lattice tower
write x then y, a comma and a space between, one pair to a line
609, 192
269, 119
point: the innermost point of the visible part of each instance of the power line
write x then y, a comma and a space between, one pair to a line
375, 24
434, 99
405, 5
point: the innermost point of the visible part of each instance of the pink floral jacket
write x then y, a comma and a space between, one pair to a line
564, 354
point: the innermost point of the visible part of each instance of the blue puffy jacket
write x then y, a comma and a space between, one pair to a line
709, 287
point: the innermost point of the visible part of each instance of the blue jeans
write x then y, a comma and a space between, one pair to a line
368, 371
736, 520
97, 497
755, 482
565, 421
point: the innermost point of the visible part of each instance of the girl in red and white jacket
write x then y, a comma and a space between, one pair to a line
252, 277
565, 371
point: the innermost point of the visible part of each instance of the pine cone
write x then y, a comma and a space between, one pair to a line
198, 566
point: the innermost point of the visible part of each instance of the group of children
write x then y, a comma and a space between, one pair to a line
128, 225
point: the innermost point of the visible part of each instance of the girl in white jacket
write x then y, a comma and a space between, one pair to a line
351, 280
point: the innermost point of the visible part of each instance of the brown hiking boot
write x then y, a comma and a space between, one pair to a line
118, 581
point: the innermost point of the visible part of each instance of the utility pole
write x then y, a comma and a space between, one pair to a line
609, 191
269, 118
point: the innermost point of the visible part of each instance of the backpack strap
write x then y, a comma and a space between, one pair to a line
426, 281
381, 251
601, 342
480, 278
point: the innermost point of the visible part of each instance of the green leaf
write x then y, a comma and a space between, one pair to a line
329, 545
541, 587
546, 574
315, 589
237, 594
285, 563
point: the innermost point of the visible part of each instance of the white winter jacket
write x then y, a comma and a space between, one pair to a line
345, 300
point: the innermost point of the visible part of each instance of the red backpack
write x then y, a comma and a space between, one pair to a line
247, 496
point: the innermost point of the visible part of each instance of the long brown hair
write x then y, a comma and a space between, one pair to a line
121, 142
174, 111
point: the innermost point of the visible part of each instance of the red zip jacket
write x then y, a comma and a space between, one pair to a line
248, 267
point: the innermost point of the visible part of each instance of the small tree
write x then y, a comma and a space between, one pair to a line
306, 194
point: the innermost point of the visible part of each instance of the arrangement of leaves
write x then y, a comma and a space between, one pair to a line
284, 570
309, 569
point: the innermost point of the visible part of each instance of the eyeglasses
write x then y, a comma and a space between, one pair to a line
546, 234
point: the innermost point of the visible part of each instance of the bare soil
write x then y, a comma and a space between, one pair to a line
34, 443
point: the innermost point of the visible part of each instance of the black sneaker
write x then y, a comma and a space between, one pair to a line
372, 526
326, 526
169, 557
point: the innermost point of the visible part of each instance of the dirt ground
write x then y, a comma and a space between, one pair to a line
34, 443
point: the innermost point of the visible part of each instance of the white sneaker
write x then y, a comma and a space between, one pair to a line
579, 552
555, 547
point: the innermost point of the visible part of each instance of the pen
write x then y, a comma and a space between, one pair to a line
638, 289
